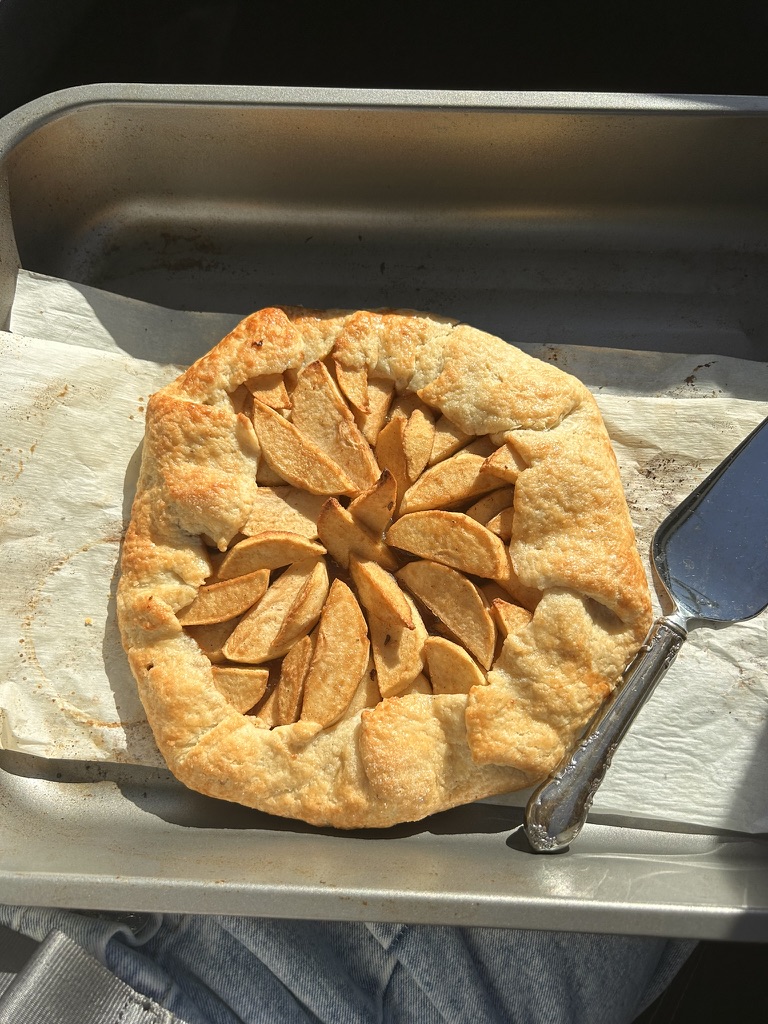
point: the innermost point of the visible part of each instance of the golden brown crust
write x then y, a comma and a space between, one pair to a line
572, 561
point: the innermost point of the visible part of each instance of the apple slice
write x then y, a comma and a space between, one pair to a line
339, 660
456, 602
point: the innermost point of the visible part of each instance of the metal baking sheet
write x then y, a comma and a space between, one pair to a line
625, 221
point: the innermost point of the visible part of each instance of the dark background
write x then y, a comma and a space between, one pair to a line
47, 45
673, 47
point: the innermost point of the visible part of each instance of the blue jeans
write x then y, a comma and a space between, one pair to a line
231, 970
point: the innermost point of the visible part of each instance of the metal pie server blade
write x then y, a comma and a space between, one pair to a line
711, 558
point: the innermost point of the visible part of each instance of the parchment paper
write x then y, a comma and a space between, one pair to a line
77, 368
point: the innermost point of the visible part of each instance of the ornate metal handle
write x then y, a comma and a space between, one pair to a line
558, 809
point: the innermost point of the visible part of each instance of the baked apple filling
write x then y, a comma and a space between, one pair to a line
396, 577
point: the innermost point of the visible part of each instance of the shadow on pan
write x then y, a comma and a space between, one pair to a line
155, 791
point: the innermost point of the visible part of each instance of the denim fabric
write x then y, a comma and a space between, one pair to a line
238, 970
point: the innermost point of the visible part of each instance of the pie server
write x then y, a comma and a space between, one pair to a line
711, 557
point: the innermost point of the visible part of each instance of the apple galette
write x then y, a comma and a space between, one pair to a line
379, 564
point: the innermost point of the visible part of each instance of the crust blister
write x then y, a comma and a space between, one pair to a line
416, 396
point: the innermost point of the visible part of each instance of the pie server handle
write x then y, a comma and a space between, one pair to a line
558, 809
